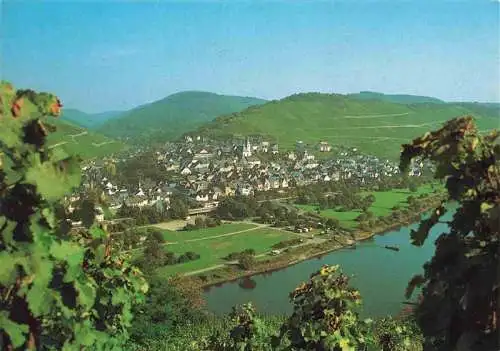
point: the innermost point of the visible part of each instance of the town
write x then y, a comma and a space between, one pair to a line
205, 171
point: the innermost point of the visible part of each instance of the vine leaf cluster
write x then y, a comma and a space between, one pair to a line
58, 289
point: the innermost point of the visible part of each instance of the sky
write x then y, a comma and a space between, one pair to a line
115, 55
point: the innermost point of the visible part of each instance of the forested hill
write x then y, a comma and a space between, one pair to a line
88, 120
374, 126
174, 115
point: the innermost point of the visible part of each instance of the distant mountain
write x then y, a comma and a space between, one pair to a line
396, 98
486, 109
88, 120
374, 126
174, 115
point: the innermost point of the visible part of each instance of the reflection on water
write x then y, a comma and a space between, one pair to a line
247, 283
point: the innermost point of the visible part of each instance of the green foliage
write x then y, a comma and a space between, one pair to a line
250, 332
397, 335
324, 315
165, 306
314, 117
246, 261
460, 291
57, 291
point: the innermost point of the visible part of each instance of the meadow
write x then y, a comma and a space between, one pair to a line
384, 202
82, 142
212, 251
225, 228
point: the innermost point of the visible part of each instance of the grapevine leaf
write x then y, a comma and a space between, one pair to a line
69, 251
10, 133
51, 182
38, 297
15, 331
86, 294
97, 232
12, 174
119, 296
485, 207
49, 216
8, 231
8, 262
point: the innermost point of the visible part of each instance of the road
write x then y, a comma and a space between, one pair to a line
229, 263
393, 126
377, 116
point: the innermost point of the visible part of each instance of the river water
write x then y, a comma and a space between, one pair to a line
380, 274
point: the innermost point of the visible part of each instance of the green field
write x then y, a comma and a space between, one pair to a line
200, 233
384, 201
213, 250
76, 140
373, 126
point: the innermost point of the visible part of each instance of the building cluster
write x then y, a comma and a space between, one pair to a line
206, 171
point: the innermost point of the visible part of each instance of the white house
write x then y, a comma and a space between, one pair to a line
140, 192
185, 171
201, 197
324, 147
265, 146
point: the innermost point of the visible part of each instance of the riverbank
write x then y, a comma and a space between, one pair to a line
294, 256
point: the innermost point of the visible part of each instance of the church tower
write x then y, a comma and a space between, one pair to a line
247, 149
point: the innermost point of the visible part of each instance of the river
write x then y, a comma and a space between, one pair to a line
380, 274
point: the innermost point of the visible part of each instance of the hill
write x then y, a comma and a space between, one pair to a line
80, 141
374, 126
486, 109
174, 115
88, 120
396, 98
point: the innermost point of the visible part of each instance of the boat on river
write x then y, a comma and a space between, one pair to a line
393, 248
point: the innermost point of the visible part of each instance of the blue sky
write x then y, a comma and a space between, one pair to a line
110, 55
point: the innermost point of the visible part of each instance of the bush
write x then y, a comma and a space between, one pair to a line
187, 256
246, 261
397, 335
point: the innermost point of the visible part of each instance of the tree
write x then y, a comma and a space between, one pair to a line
413, 187
199, 222
246, 261
332, 223
57, 289
178, 208
460, 307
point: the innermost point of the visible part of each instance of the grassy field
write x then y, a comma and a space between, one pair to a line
384, 201
373, 126
76, 140
206, 232
213, 250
